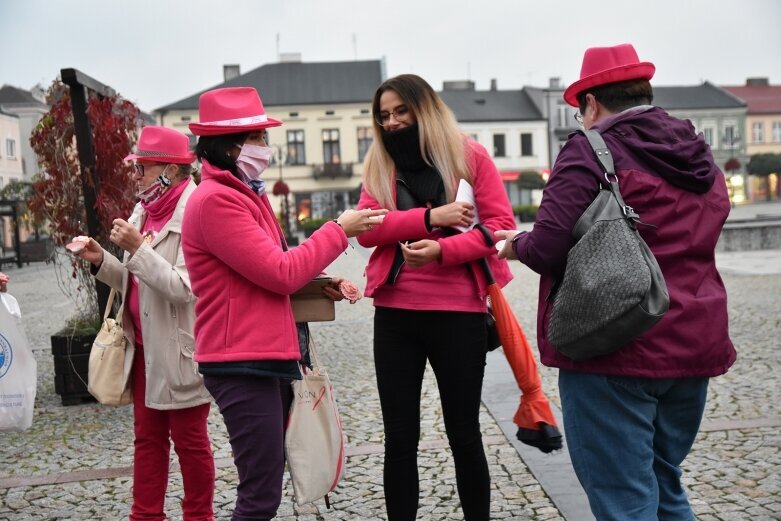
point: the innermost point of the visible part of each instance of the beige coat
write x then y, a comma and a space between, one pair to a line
167, 308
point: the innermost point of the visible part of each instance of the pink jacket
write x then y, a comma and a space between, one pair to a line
495, 213
241, 275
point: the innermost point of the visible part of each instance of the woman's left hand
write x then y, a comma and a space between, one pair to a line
126, 236
420, 253
332, 289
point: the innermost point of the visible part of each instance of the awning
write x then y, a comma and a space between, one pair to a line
510, 176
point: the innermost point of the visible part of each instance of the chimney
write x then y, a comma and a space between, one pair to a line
757, 82
290, 57
458, 85
493, 83
231, 71
554, 82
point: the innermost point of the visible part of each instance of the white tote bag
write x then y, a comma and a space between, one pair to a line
314, 441
18, 369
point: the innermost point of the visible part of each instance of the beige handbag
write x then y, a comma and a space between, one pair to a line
314, 441
111, 361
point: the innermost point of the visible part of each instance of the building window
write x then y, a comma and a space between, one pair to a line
295, 148
364, 142
563, 119
758, 132
331, 152
731, 137
526, 145
10, 148
293, 114
707, 134
499, 150
777, 132
329, 112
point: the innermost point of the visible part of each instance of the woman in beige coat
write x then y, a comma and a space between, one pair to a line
169, 399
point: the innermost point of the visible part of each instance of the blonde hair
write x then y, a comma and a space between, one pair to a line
441, 142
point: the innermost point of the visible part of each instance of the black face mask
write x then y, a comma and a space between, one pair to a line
403, 146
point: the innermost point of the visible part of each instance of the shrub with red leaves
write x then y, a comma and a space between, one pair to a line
57, 190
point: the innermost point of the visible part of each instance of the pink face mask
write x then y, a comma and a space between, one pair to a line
253, 160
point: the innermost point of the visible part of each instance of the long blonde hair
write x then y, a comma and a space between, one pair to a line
441, 142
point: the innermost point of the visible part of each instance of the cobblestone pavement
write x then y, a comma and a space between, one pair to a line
75, 462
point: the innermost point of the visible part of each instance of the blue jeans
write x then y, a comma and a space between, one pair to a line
627, 438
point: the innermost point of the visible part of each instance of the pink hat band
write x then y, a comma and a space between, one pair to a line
237, 122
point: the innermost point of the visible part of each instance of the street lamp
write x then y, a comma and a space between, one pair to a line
736, 181
282, 189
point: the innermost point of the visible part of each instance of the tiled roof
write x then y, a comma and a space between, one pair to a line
760, 99
301, 83
705, 96
490, 105
14, 95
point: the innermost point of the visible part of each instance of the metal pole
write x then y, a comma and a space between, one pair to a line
78, 83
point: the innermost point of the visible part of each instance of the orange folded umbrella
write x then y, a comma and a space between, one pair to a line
536, 423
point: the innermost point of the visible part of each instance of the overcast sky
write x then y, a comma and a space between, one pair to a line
155, 52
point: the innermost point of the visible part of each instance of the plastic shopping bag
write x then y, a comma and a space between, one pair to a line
18, 369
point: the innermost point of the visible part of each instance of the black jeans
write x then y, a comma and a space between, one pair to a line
454, 345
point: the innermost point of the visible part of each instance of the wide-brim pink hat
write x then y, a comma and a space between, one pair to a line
230, 111
603, 65
162, 145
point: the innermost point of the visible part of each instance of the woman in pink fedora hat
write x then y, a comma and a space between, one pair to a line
170, 401
631, 416
243, 275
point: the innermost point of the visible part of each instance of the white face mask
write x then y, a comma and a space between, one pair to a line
253, 160
153, 192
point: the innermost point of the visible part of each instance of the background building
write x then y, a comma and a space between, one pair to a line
29, 107
509, 125
762, 130
326, 111
558, 114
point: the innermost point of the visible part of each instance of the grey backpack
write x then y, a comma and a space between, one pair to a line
612, 289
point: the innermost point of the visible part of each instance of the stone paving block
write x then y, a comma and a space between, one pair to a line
734, 472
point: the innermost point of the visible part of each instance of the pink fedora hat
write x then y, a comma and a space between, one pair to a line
163, 145
603, 65
229, 111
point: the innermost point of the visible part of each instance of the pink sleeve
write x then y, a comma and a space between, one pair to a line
398, 225
493, 206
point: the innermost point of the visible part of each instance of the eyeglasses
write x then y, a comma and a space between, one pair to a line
141, 169
401, 115
579, 118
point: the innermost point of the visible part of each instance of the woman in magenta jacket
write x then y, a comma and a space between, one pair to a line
429, 291
246, 341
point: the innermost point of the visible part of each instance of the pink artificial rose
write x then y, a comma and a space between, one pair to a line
350, 291
77, 244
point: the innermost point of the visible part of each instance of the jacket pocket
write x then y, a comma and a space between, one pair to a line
183, 373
